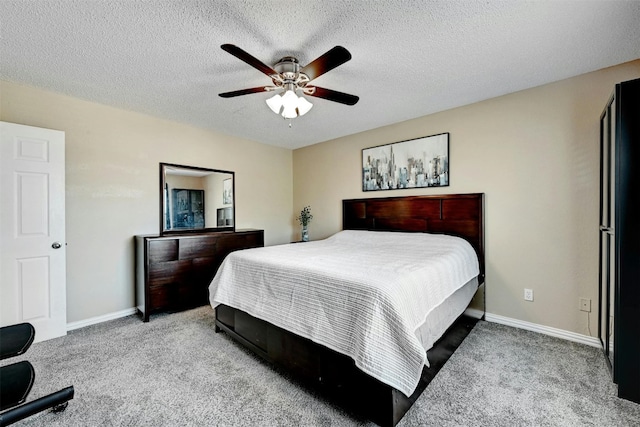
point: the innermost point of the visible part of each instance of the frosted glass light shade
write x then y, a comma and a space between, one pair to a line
275, 103
303, 106
289, 102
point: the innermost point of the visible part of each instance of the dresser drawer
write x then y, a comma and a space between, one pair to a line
162, 251
159, 296
194, 247
168, 272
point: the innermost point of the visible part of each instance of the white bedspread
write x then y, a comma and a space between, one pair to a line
360, 293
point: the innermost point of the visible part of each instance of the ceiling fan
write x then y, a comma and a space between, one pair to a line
288, 77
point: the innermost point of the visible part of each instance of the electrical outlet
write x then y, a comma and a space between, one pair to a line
585, 305
528, 294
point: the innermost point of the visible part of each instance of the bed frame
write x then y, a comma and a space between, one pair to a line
335, 375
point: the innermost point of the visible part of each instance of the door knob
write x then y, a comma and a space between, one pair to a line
56, 245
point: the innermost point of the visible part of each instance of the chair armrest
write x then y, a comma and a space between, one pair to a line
15, 339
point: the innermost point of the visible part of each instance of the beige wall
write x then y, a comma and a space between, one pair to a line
112, 183
535, 155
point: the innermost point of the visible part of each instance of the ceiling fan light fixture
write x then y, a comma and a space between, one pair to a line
289, 105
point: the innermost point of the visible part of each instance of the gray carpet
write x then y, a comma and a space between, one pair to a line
175, 371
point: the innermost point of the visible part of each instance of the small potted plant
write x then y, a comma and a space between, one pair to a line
304, 219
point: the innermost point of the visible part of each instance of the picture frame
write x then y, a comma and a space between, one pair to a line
413, 163
227, 192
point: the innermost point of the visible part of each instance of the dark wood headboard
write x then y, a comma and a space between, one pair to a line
459, 215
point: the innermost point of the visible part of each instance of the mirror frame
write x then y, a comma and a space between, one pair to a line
163, 182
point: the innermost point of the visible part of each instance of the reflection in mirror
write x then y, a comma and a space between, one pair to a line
195, 199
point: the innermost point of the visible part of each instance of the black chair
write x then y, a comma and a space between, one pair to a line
17, 379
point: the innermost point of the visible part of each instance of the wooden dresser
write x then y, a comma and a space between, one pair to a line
173, 272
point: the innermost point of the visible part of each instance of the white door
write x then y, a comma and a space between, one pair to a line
32, 229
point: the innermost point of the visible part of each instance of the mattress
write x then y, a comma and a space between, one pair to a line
364, 294
442, 316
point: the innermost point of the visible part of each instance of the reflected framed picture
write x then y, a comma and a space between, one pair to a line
227, 192
414, 163
188, 208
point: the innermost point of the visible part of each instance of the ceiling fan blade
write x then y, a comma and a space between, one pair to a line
327, 62
332, 95
244, 92
249, 59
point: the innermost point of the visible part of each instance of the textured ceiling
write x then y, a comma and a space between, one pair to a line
410, 58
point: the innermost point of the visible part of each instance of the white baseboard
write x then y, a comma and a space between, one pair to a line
99, 319
547, 330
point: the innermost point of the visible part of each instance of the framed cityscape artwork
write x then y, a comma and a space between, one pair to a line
415, 163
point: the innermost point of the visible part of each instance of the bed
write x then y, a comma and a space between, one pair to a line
353, 330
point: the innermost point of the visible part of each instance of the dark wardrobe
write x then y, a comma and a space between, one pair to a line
619, 310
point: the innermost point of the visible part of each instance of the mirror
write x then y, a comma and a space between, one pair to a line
196, 199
